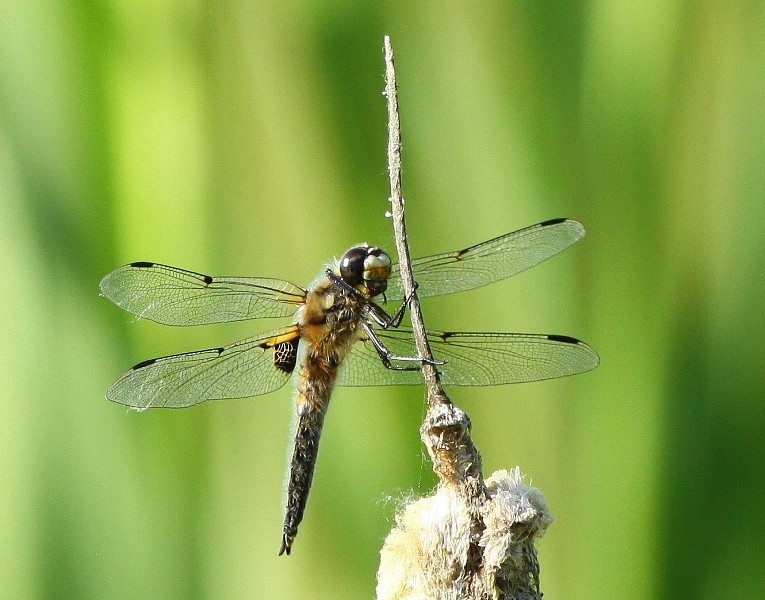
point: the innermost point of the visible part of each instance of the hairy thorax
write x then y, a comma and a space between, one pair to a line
329, 326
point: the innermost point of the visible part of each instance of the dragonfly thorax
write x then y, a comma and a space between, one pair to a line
366, 268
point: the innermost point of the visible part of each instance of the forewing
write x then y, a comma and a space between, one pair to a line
473, 359
174, 296
251, 367
490, 261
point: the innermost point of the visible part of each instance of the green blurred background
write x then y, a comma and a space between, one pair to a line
248, 138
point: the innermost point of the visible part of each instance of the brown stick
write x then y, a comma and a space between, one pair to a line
461, 542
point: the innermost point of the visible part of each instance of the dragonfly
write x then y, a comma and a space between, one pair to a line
339, 335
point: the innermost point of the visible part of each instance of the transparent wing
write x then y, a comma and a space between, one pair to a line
472, 358
490, 261
173, 296
247, 368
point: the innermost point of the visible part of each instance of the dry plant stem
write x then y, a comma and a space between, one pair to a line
435, 391
467, 541
446, 428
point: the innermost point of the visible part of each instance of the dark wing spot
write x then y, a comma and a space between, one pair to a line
207, 279
142, 265
145, 363
563, 338
552, 222
445, 335
285, 356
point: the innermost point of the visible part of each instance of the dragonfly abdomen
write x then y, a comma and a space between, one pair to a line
316, 379
304, 452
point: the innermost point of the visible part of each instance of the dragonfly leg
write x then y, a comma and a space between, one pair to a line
387, 358
395, 319
382, 318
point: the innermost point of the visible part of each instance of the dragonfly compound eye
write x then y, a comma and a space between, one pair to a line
352, 265
376, 271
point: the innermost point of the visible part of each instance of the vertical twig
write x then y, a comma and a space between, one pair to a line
446, 430
432, 381
472, 539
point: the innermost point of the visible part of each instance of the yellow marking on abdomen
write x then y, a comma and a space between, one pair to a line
289, 334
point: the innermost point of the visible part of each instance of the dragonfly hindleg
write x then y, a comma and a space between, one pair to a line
387, 357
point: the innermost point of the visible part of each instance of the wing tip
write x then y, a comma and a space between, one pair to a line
567, 339
143, 363
553, 221
561, 220
564, 338
112, 396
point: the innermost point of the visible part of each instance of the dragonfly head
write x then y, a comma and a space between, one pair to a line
366, 268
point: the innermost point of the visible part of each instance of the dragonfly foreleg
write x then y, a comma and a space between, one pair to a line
395, 319
382, 318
